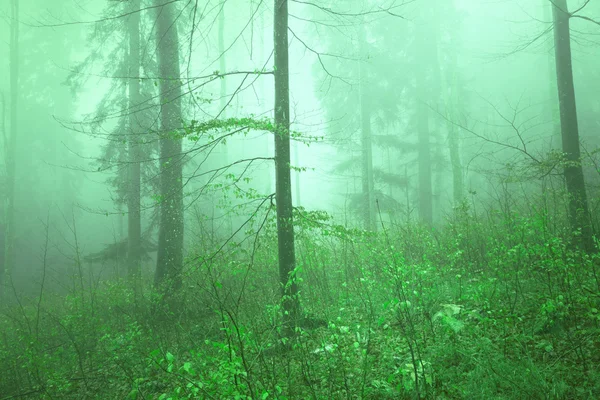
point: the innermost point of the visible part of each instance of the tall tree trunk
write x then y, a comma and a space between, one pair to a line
424, 163
458, 186
283, 184
223, 98
453, 89
552, 107
11, 150
573, 171
222, 68
297, 174
368, 187
3, 183
134, 223
169, 261
423, 68
268, 144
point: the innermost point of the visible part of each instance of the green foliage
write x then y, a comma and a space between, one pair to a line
478, 309
196, 128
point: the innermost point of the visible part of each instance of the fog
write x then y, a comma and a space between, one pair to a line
408, 119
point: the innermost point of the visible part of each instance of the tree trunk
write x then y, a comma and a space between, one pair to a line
424, 136
552, 107
573, 171
263, 95
3, 196
424, 154
454, 97
11, 150
283, 185
134, 223
222, 70
297, 174
368, 203
223, 99
458, 186
169, 261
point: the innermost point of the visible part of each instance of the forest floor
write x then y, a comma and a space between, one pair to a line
494, 308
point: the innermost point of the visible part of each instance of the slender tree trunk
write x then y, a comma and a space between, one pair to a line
268, 144
11, 150
4, 139
134, 223
169, 261
578, 205
283, 184
425, 184
368, 189
222, 68
458, 186
424, 136
454, 98
297, 174
223, 96
552, 108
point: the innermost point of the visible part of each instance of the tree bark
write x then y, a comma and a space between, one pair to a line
573, 171
283, 185
134, 223
11, 162
169, 262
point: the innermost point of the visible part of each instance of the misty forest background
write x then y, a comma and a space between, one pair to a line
347, 199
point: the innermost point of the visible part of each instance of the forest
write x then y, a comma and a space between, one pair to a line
299, 199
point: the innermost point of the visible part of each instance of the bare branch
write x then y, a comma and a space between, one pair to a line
107, 19
582, 7
319, 55
586, 19
380, 10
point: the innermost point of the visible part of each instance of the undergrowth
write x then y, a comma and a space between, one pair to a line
494, 307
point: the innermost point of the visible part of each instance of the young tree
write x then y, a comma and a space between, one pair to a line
573, 171
283, 185
170, 235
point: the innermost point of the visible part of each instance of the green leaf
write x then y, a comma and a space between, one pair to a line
187, 367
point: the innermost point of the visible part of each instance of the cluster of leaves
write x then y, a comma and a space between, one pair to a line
209, 130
